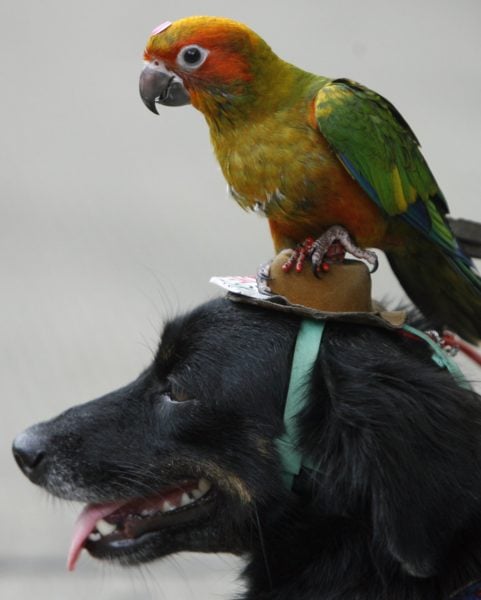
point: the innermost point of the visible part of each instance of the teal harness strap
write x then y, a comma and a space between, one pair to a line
307, 347
308, 342
440, 357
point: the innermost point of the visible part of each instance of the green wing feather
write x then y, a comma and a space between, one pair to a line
380, 151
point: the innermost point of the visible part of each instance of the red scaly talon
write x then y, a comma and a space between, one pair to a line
287, 266
300, 262
299, 256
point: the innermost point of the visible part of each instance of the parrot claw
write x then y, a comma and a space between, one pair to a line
299, 255
263, 275
332, 246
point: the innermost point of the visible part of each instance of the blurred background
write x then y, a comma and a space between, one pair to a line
113, 219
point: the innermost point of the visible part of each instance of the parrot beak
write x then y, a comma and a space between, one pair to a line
157, 85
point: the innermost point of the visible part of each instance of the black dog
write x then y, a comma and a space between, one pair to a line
184, 458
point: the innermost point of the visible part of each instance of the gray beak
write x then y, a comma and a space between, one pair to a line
159, 86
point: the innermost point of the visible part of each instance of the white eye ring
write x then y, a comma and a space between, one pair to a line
191, 57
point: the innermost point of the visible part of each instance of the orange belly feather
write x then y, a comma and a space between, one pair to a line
290, 172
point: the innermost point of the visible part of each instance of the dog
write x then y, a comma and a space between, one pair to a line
185, 458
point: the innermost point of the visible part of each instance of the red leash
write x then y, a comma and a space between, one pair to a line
452, 342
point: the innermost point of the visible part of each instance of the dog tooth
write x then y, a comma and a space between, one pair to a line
196, 493
204, 485
184, 500
167, 506
105, 528
94, 536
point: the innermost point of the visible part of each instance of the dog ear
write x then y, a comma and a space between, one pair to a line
397, 442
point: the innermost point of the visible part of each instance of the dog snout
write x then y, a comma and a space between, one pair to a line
29, 450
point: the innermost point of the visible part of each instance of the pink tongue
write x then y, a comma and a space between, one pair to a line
93, 512
85, 525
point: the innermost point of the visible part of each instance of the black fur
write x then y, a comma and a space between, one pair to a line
393, 511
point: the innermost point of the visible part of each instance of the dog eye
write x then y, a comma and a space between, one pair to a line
175, 393
180, 395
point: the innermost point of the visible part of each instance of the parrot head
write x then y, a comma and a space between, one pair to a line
209, 62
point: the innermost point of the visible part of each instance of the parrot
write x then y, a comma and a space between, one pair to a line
327, 161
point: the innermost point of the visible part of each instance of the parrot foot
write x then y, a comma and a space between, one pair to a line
263, 275
299, 256
329, 249
333, 245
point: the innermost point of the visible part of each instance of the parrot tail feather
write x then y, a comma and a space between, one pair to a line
444, 287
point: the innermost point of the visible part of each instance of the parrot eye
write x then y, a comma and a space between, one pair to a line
191, 57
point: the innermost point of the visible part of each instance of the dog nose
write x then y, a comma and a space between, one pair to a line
29, 452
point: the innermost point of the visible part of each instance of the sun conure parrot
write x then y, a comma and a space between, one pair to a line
312, 154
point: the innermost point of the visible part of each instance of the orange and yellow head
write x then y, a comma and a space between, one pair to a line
206, 61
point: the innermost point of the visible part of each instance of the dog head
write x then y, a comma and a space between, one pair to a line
181, 458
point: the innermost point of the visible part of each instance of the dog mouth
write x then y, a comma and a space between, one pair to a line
119, 527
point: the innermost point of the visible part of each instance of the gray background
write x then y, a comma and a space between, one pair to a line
110, 216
